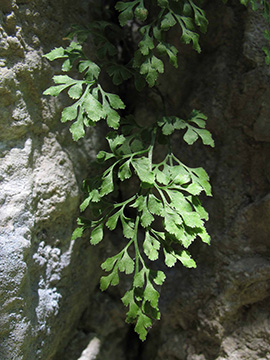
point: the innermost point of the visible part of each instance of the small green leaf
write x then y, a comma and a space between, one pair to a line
126, 9
133, 311
168, 21
77, 233
143, 170
200, 18
194, 200
158, 277
179, 175
126, 264
155, 205
113, 117
199, 122
186, 259
206, 137
192, 219
188, 236
97, 234
171, 51
128, 227
75, 92
146, 217
188, 35
139, 279
107, 184
64, 79
128, 297
108, 264
69, 113
151, 74
151, 294
111, 279
67, 65
90, 67
55, 90
124, 171
56, 53
77, 128
157, 32
95, 195
143, 323
157, 64
202, 179
150, 68
103, 156
119, 73
112, 221
74, 47
194, 189
146, 44
168, 129
151, 246
115, 101
93, 107
179, 123
139, 203
171, 222
162, 177
171, 123
179, 201
170, 259
151, 311
204, 236
115, 140
190, 136
141, 13
85, 203
198, 118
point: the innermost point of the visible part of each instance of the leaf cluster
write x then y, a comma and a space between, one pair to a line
168, 193
164, 215
92, 103
153, 30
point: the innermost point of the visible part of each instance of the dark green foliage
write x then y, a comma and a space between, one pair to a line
164, 215
168, 190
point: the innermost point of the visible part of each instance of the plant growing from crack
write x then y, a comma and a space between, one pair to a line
168, 191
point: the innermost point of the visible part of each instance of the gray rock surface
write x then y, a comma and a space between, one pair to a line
50, 305
45, 278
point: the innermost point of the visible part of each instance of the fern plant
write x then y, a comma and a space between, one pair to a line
168, 191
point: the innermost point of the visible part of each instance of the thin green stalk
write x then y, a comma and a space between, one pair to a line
136, 246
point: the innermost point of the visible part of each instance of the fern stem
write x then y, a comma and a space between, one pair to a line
136, 246
150, 154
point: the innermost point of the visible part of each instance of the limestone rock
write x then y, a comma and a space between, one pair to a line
45, 278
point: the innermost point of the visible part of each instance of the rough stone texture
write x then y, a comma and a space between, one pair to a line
45, 278
219, 311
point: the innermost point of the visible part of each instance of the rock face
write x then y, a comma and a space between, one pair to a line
51, 307
45, 278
